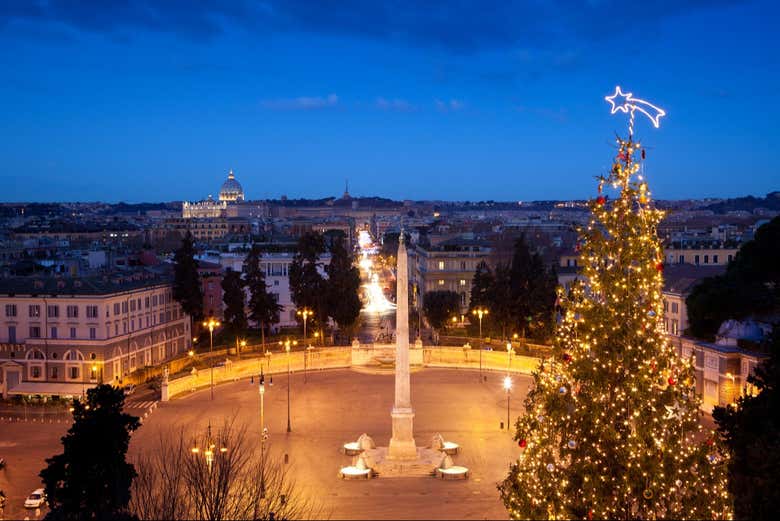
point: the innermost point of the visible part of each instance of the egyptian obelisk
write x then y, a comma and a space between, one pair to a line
402, 446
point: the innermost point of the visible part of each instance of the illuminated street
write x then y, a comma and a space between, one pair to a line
378, 315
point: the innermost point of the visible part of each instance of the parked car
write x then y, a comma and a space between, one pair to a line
35, 500
129, 389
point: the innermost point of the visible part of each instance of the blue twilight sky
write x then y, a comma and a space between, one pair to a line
449, 99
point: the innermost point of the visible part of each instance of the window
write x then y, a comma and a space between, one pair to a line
441, 282
666, 306
132, 325
10, 310
714, 259
463, 265
34, 311
74, 373
116, 308
696, 259
35, 332
681, 259
55, 372
72, 311
276, 283
73, 332
124, 307
674, 307
210, 285
53, 332
92, 312
132, 305
154, 300
12, 334
35, 371
729, 258
146, 302
462, 282
441, 265
92, 333
706, 259
124, 326
162, 317
53, 311
675, 328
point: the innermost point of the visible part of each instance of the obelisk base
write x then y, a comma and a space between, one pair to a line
402, 446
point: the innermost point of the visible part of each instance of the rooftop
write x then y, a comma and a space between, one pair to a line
681, 278
107, 284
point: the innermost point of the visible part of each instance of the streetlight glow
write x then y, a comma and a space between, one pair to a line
211, 323
480, 312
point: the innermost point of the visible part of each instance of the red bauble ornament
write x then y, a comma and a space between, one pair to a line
590, 514
671, 380
710, 442
623, 156
659, 266
600, 200
522, 443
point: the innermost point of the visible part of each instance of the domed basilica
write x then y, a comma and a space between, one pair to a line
231, 192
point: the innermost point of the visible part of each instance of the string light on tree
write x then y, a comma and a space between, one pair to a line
611, 428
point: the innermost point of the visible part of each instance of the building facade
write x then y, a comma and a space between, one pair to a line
721, 371
700, 256
450, 266
277, 277
59, 336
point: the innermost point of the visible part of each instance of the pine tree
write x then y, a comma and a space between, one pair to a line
264, 307
307, 284
611, 429
440, 306
233, 296
91, 478
343, 285
481, 286
533, 291
186, 282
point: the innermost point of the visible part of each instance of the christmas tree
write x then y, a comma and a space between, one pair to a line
611, 428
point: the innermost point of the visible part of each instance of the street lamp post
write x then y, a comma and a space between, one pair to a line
239, 346
211, 324
480, 312
508, 388
509, 358
263, 432
287, 345
305, 313
209, 449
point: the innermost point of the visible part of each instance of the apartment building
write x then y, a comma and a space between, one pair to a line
679, 281
450, 265
277, 269
700, 256
59, 336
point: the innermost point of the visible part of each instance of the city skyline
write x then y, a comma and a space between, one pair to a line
147, 103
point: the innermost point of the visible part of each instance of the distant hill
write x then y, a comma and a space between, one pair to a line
747, 203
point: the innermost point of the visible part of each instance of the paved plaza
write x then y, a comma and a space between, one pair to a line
331, 408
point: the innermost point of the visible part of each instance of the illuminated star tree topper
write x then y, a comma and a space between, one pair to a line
626, 102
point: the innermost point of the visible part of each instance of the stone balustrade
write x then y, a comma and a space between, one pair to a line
344, 357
